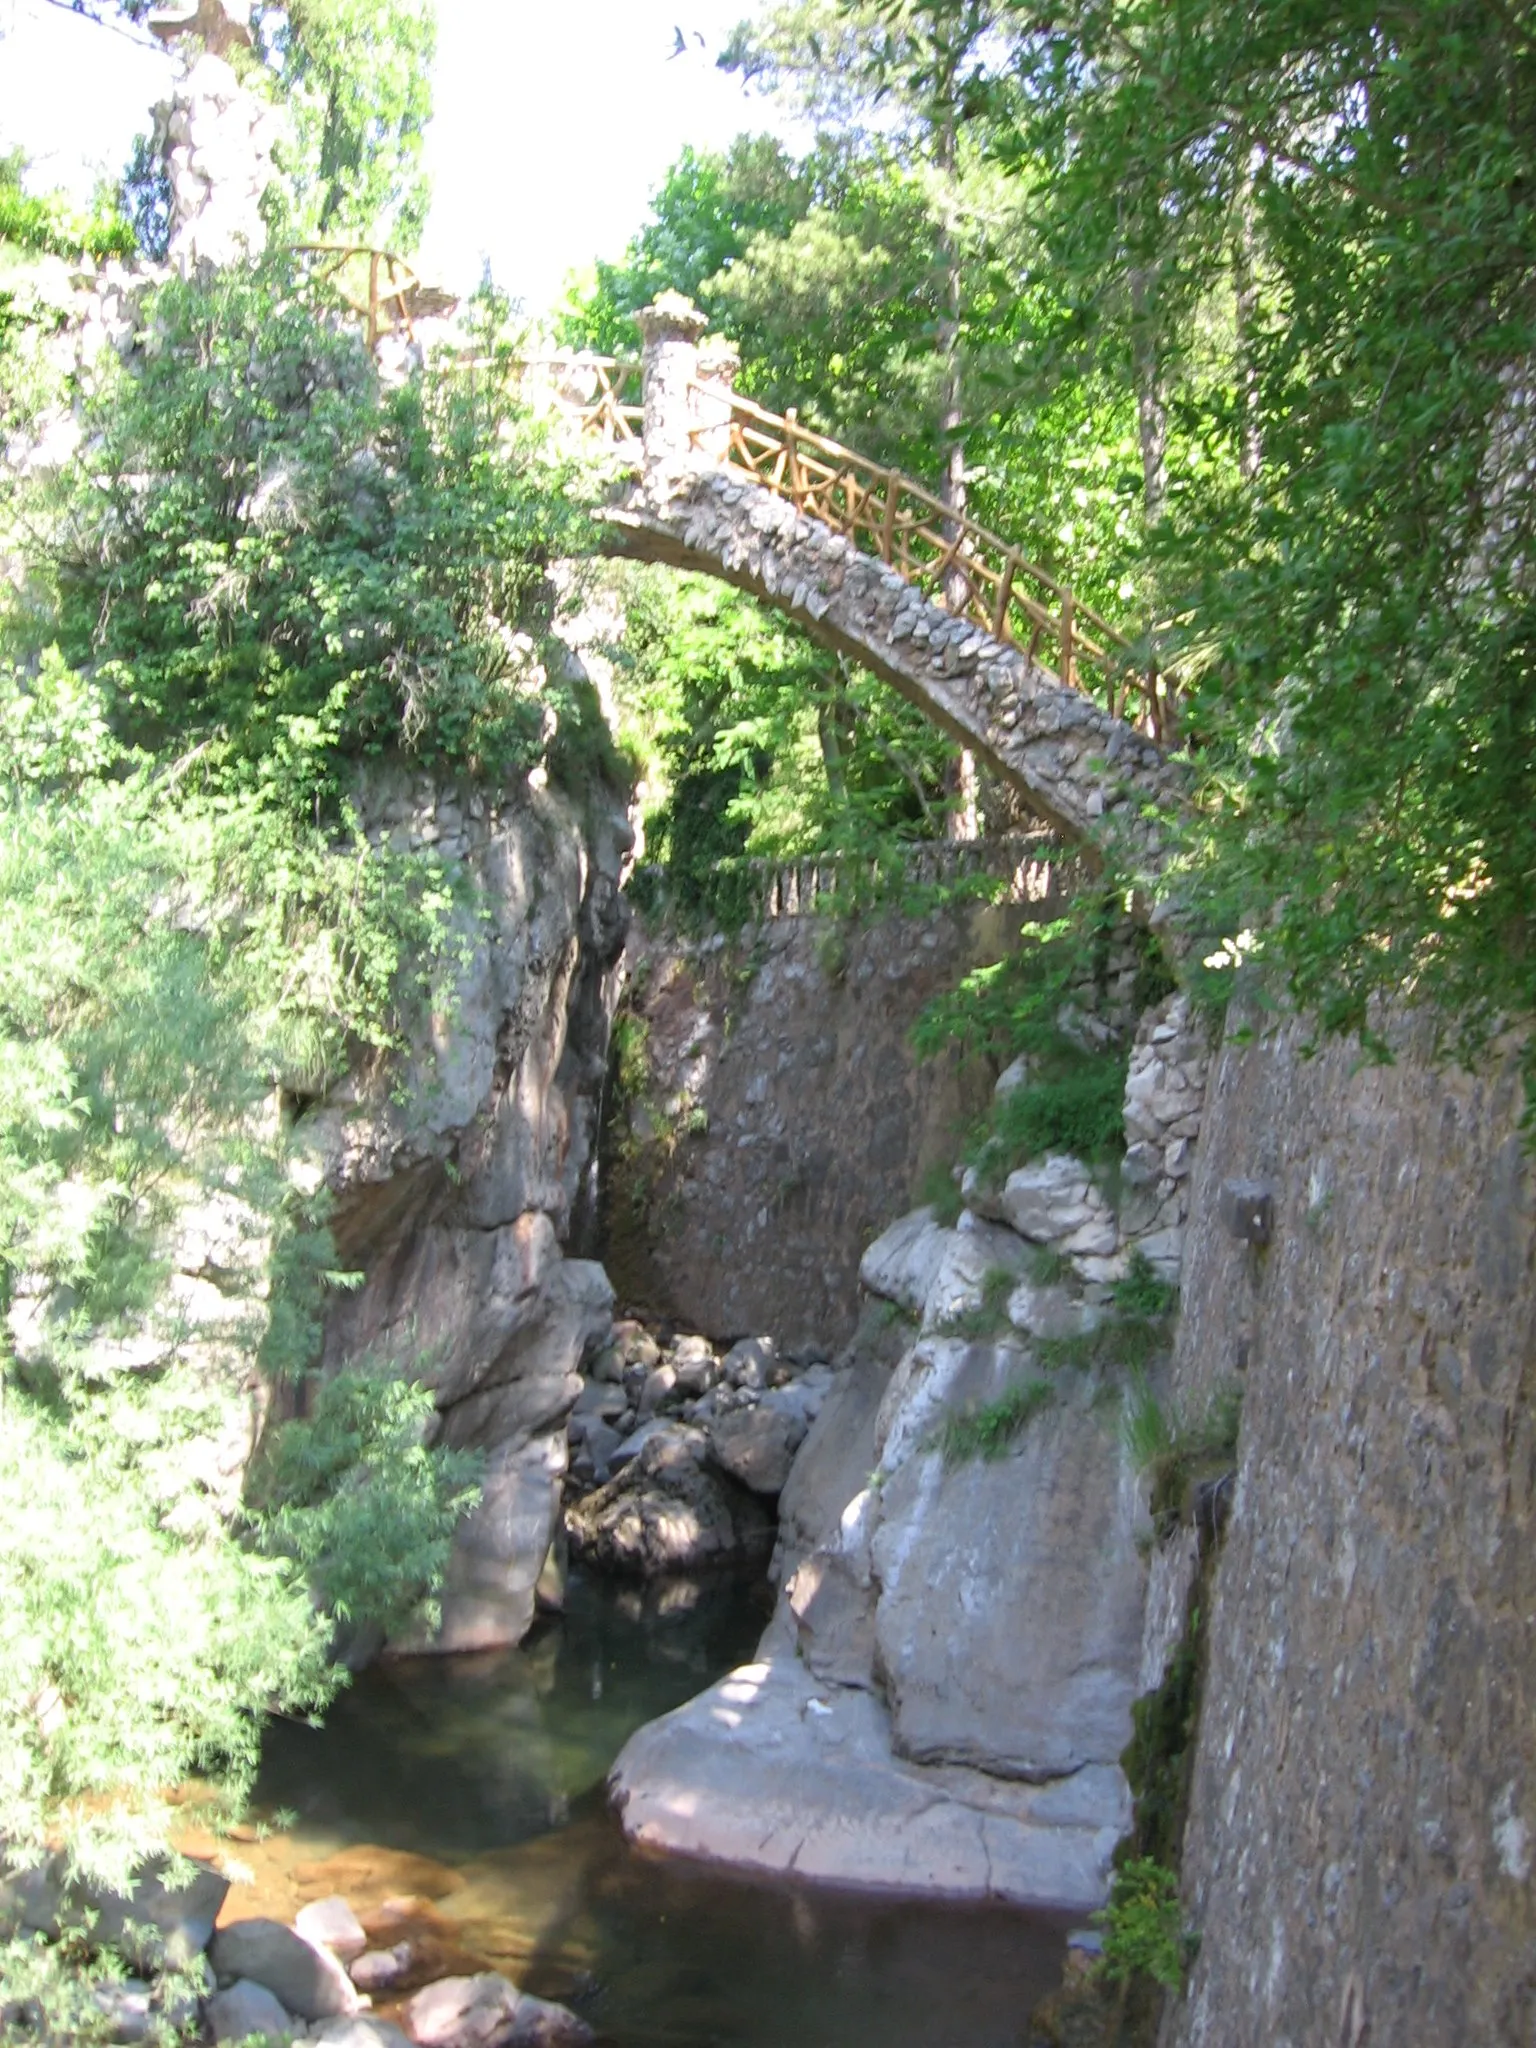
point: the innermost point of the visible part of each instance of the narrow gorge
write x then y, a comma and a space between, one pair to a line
767, 1240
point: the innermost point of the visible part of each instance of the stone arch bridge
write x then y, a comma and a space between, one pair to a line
873, 566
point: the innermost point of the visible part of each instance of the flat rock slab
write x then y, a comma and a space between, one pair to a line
770, 1772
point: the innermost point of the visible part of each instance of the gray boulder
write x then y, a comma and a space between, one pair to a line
307, 1980
901, 1263
756, 1445
361, 2031
665, 1512
129, 2008
247, 2010
155, 1925
1056, 1202
750, 1363
776, 1771
490, 2012
833, 1464
1051, 1312
971, 1254
499, 1549
1008, 1628
377, 1968
331, 1923
658, 1391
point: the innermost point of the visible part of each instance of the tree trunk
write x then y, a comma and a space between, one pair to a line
1151, 399
1250, 450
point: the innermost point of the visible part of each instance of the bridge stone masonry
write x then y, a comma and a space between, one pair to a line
700, 502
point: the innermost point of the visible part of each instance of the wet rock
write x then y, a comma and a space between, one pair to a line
378, 1968
756, 1445
361, 2031
666, 1512
307, 1980
331, 1923
248, 2010
488, 2011
542, 2024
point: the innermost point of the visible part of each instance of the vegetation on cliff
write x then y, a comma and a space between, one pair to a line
265, 567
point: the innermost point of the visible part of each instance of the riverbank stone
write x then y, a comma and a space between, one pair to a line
307, 1980
248, 2011
756, 1445
331, 1923
488, 2011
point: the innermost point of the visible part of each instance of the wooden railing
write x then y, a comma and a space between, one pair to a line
601, 395
384, 301
960, 565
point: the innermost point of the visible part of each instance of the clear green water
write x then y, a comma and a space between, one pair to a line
495, 1767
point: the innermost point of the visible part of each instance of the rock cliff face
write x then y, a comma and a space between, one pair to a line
943, 1697
457, 1180
1360, 1844
787, 1119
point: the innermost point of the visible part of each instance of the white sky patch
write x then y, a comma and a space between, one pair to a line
554, 122
73, 95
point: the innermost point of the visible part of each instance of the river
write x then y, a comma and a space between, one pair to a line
478, 1783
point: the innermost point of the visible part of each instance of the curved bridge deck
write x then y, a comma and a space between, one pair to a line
997, 652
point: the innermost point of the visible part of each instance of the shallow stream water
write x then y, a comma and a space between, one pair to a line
477, 1783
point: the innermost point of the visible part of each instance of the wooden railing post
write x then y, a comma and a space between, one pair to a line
888, 529
1004, 596
792, 461
373, 300
1066, 638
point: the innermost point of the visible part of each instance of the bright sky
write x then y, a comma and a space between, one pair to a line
555, 120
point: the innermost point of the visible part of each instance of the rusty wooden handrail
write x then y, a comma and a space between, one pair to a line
391, 281
601, 394
958, 563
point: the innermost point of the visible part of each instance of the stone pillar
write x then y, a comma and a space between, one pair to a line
713, 395
670, 331
216, 138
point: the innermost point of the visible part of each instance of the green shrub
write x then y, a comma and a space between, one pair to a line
1144, 1926
354, 1496
990, 1431
1143, 1291
277, 560
1079, 1108
939, 1191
